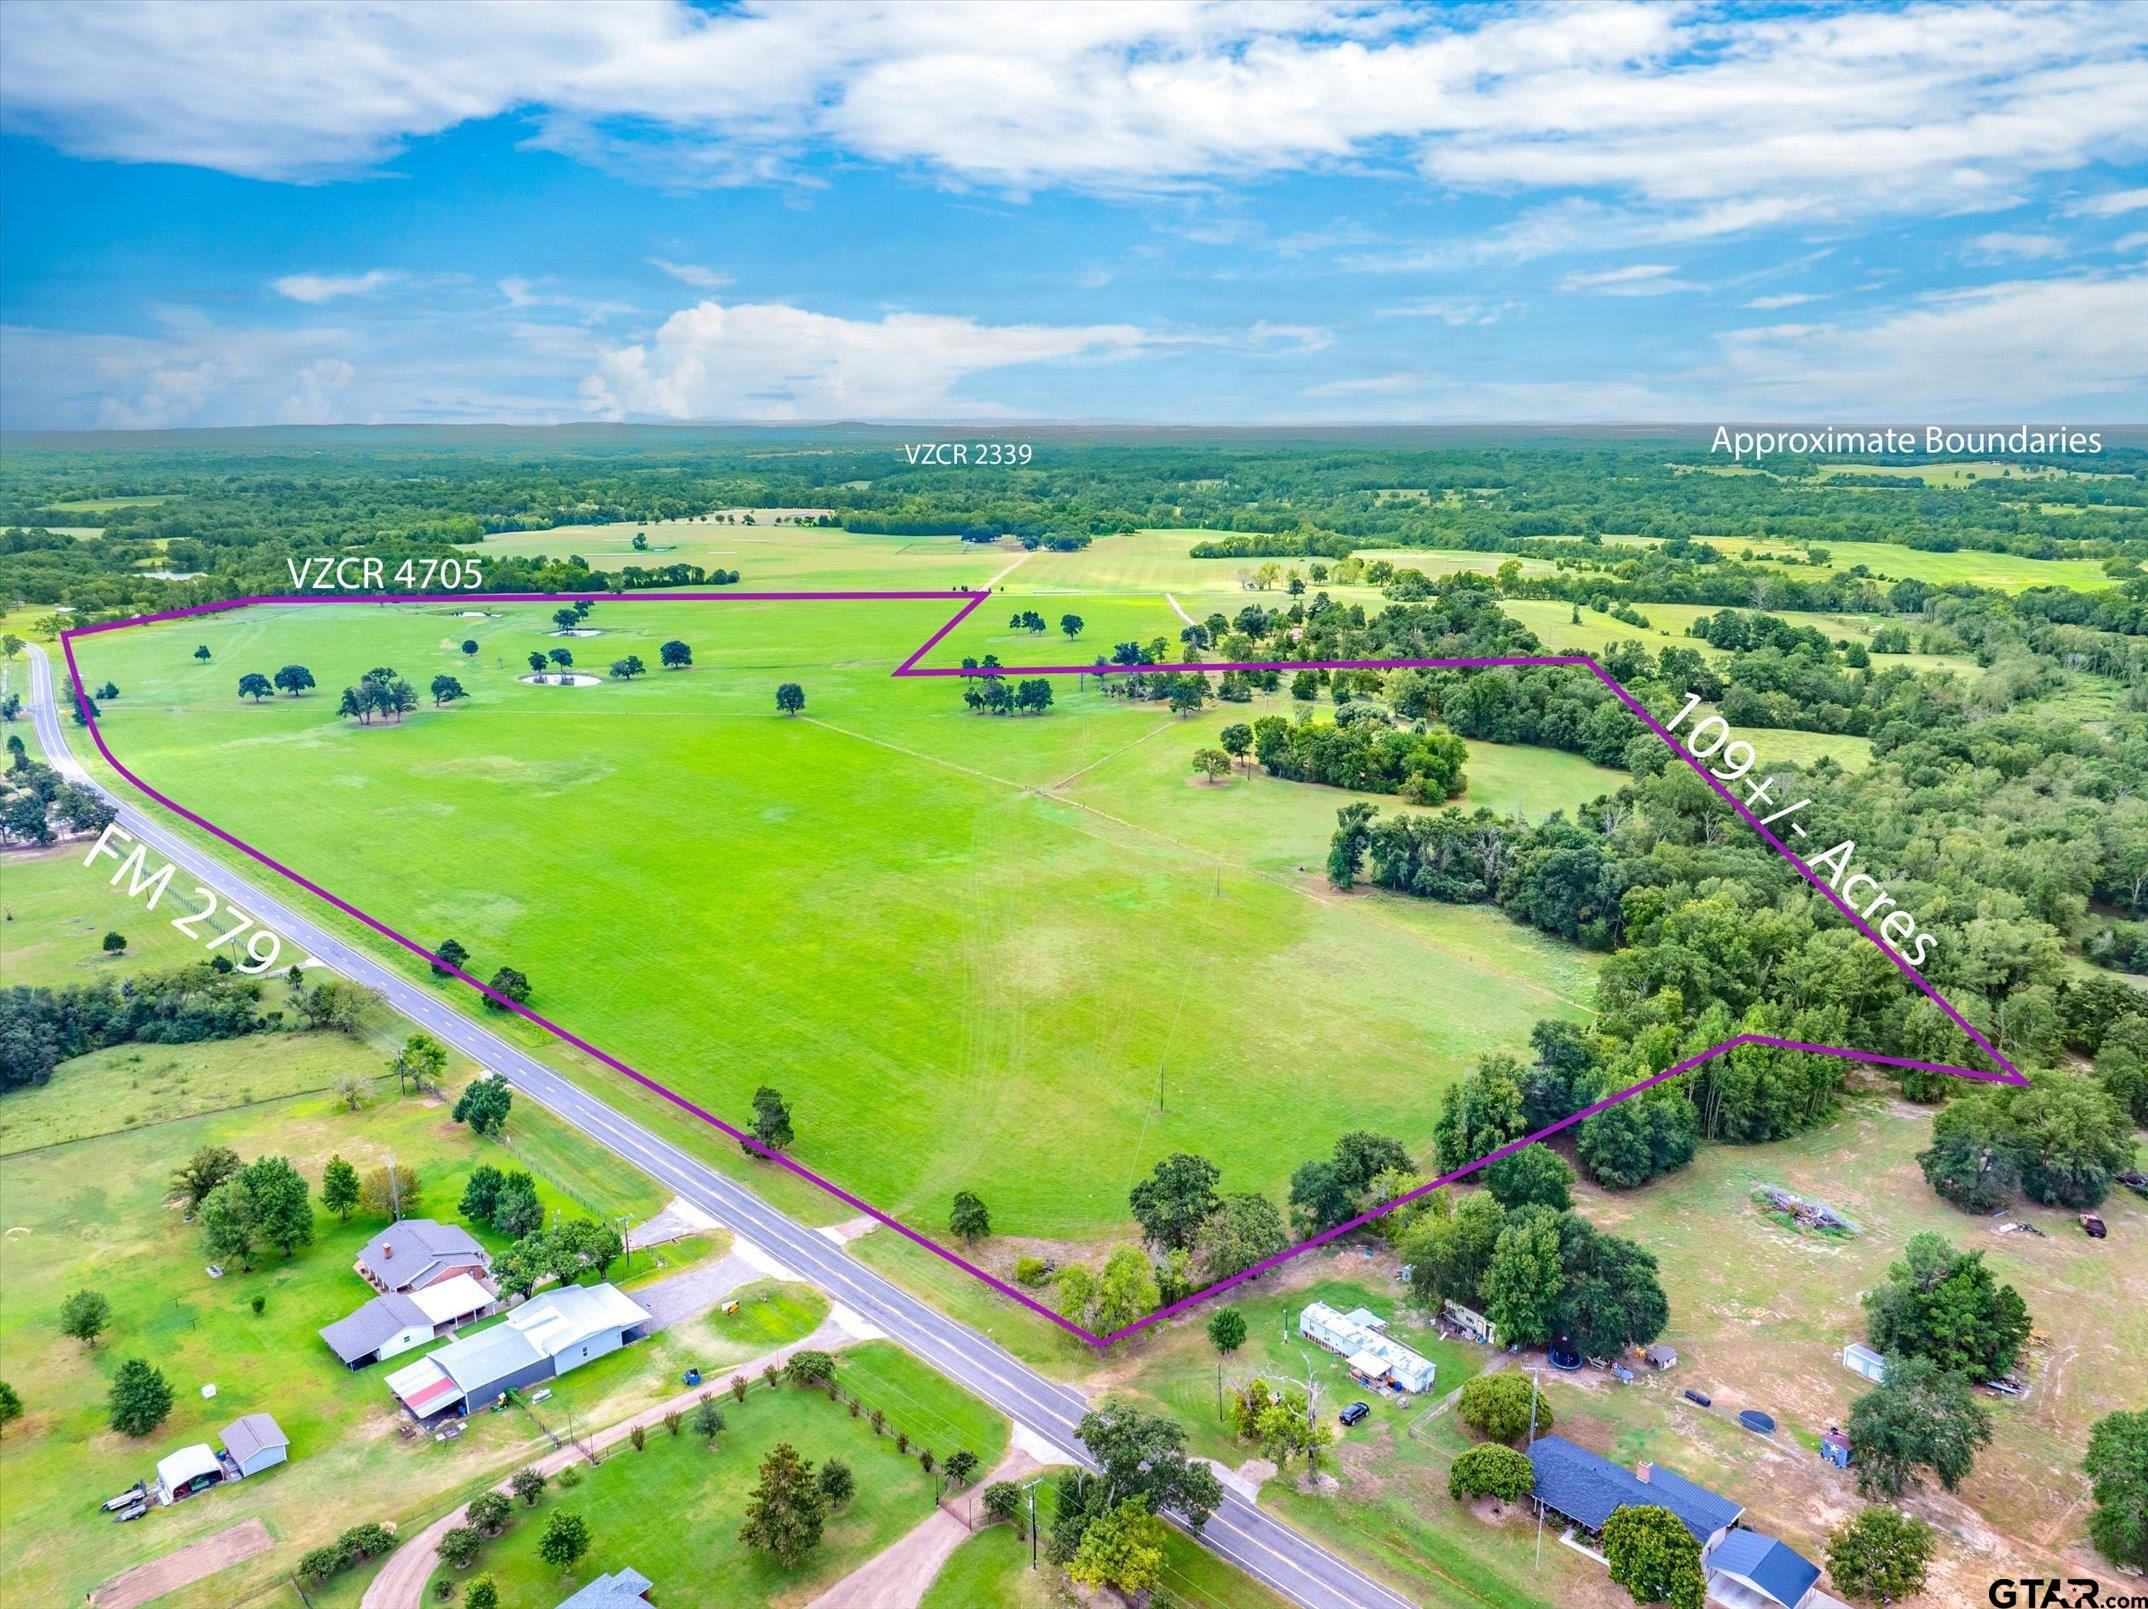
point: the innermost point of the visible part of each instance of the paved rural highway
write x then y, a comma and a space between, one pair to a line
1259, 1544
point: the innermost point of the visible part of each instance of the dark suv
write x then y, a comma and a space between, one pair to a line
1355, 1413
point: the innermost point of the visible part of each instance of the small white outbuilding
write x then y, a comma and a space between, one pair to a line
1861, 1359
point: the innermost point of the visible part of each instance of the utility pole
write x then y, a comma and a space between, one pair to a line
1031, 1490
1539, 1564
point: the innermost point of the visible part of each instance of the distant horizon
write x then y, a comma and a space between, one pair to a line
1003, 429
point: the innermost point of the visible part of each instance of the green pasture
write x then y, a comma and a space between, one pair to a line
959, 971
771, 557
128, 1085
1891, 561
105, 505
55, 912
673, 1510
1438, 563
1259, 821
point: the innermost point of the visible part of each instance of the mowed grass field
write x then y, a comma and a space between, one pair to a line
961, 970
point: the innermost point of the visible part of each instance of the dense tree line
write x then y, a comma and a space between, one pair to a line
41, 1027
2001, 834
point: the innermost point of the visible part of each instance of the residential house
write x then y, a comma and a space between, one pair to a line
413, 1253
397, 1322
382, 1328
546, 1336
1745, 1569
1588, 1489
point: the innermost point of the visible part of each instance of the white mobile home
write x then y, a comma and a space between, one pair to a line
1358, 1337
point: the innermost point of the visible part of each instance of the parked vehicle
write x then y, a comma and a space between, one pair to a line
1355, 1413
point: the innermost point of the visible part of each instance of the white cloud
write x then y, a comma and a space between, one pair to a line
314, 289
1720, 118
2132, 242
2110, 204
2013, 245
776, 361
702, 279
1770, 304
1452, 311
1401, 383
1636, 279
193, 373
453, 356
315, 390
1986, 353
523, 293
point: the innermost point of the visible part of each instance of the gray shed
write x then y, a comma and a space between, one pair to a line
255, 1442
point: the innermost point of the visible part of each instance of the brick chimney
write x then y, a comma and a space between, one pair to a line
1642, 1471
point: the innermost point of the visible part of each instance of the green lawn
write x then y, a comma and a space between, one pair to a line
673, 1510
991, 1570
959, 946
93, 1214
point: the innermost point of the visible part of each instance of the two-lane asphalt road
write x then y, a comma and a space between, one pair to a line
1265, 1548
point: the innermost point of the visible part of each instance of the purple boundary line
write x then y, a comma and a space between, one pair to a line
910, 668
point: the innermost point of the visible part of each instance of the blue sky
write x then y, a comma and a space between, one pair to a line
254, 214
